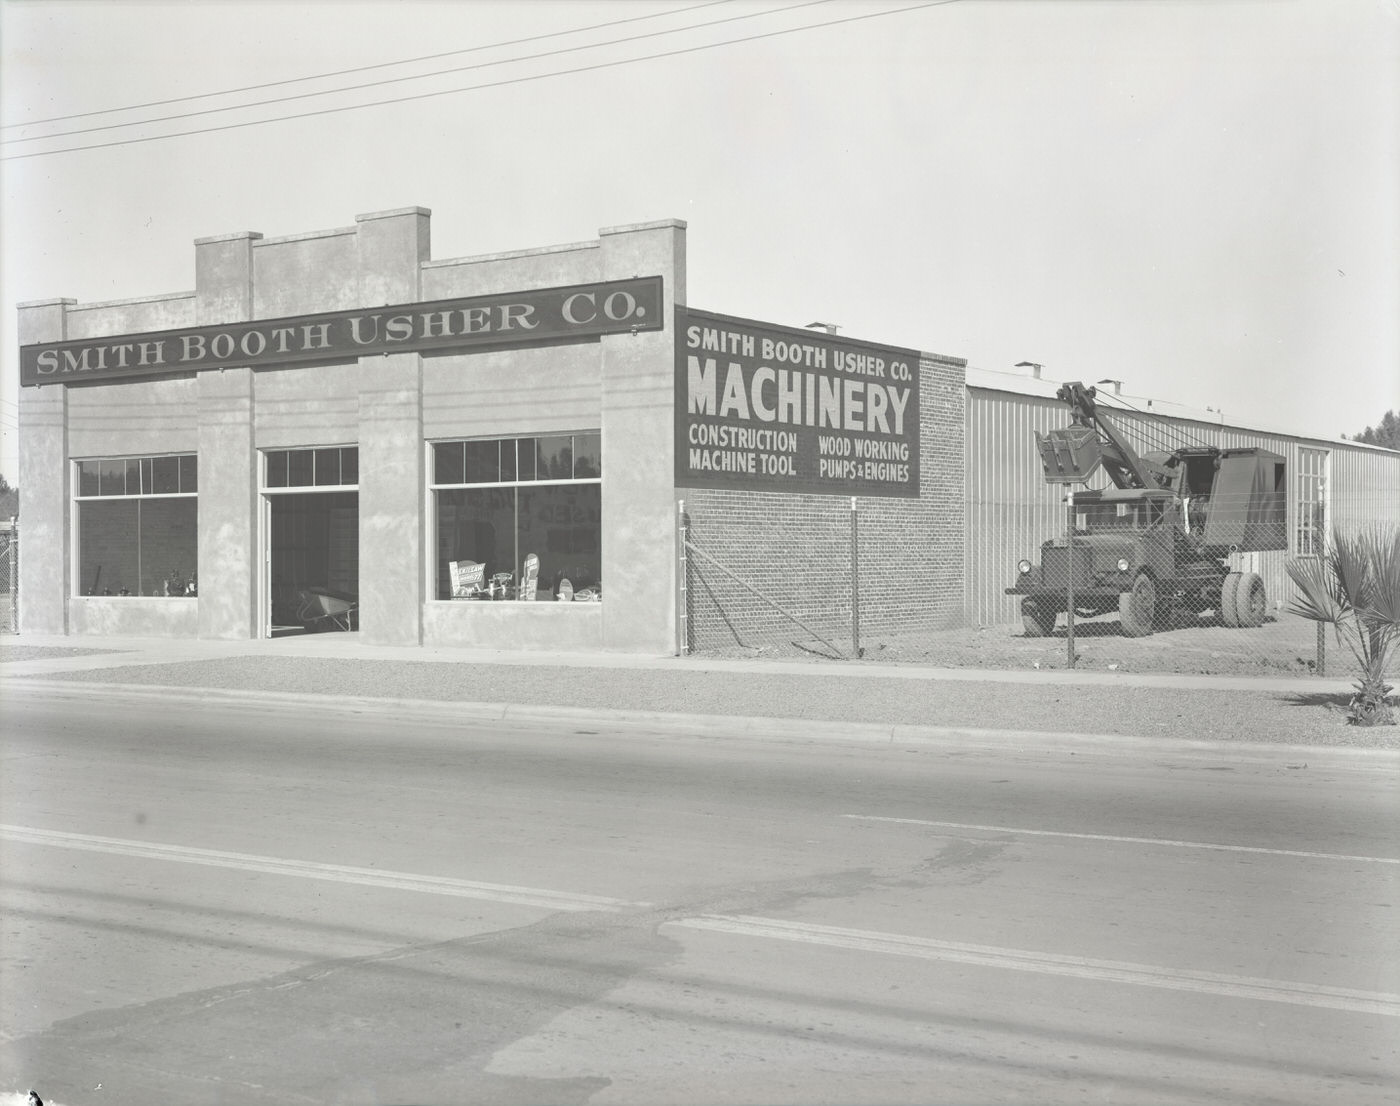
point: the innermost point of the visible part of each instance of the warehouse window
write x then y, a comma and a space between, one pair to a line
137, 525
1312, 502
519, 518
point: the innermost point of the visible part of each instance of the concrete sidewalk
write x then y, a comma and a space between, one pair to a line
94, 652
782, 700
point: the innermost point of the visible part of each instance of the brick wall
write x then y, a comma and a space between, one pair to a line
795, 550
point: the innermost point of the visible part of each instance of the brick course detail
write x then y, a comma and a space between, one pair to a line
795, 550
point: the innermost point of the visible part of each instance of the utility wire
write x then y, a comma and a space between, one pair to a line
475, 88
1154, 428
400, 80
361, 68
1147, 434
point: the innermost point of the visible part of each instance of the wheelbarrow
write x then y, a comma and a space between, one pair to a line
319, 609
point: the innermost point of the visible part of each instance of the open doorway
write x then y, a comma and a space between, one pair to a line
313, 562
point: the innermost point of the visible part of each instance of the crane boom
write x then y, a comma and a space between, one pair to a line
1072, 454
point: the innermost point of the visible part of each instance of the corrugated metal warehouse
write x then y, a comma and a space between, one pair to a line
1011, 510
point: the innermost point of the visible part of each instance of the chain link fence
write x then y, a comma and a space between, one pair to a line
9, 576
1145, 581
734, 602
1131, 581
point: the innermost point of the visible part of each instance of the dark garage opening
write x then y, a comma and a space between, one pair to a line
313, 562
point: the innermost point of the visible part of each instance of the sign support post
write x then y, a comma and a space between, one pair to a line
855, 581
1069, 579
682, 583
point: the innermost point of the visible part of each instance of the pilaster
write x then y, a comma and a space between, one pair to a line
639, 486
45, 560
391, 247
228, 499
391, 499
223, 273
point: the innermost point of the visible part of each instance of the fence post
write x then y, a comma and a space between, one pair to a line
1069, 579
682, 583
855, 582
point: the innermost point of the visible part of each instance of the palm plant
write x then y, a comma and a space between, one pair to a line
1355, 588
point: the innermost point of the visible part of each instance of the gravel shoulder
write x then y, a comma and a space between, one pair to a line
1285, 646
1301, 718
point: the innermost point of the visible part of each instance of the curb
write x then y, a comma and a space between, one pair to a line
711, 726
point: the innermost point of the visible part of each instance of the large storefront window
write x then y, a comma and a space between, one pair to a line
138, 526
519, 518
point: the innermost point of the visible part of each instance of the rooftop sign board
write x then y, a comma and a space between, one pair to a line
538, 315
768, 408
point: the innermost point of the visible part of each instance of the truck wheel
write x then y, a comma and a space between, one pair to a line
1229, 613
1038, 620
1251, 603
1138, 608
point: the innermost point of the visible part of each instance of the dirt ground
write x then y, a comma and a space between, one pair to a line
1284, 646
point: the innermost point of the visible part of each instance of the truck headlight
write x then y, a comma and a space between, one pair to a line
1122, 564
1023, 567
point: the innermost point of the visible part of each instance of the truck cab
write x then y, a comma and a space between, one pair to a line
1119, 536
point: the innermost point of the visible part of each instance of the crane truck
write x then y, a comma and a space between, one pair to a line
1160, 538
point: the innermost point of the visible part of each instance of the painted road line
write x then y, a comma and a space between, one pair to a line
1123, 840
1046, 963
308, 869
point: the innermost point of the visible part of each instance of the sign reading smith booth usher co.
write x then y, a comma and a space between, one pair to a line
539, 315
767, 408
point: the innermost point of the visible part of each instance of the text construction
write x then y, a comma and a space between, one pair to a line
767, 408
538, 315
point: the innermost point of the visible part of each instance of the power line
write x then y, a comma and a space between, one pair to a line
476, 88
1158, 432
361, 68
400, 80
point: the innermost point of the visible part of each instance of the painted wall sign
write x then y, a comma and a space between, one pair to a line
538, 315
769, 408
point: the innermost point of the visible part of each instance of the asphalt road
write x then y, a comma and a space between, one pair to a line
256, 904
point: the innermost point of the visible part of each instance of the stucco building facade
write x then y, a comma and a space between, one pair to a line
609, 393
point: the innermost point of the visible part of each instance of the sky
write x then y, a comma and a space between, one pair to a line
1200, 199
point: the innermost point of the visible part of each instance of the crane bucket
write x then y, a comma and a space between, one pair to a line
1069, 455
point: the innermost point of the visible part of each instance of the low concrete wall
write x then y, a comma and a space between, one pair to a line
567, 627
132, 616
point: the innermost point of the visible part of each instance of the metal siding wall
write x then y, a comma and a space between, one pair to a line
1364, 487
1011, 510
